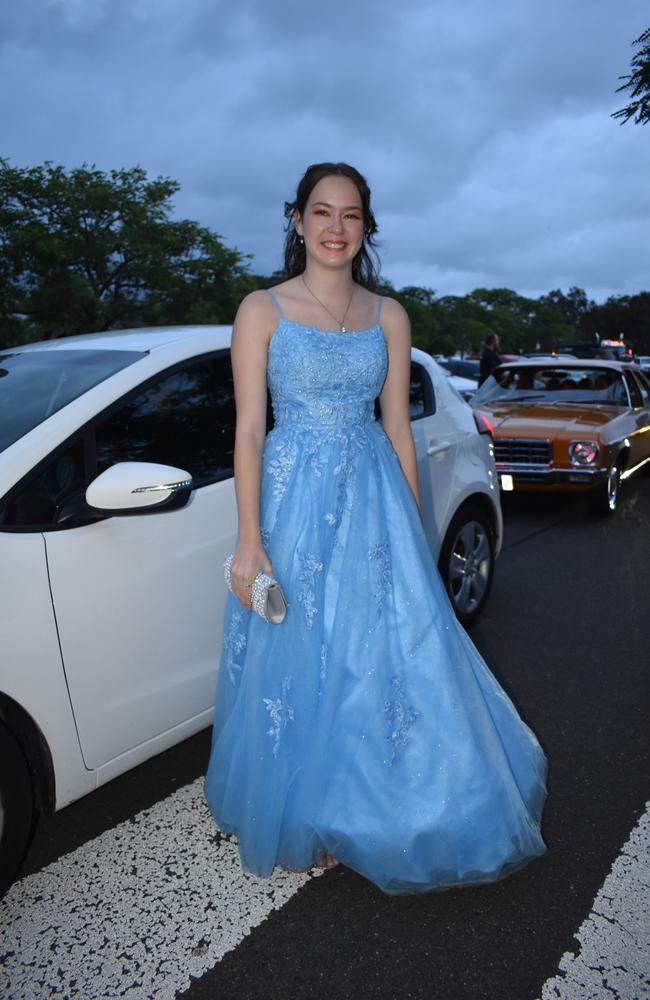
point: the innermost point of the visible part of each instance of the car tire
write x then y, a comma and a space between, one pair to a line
604, 500
16, 808
466, 562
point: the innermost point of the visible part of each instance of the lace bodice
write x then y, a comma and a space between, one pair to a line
321, 377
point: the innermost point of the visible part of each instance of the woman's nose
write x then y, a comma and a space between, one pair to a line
336, 224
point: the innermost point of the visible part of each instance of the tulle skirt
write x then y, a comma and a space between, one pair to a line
367, 724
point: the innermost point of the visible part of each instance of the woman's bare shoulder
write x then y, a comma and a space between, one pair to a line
394, 318
257, 313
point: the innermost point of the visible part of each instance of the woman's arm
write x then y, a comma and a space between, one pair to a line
252, 330
394, 398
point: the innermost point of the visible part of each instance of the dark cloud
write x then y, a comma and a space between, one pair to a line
484, 130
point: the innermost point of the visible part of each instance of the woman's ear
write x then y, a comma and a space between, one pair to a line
297, 223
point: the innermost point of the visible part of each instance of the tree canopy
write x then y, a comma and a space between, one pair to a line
638, 84
82, 250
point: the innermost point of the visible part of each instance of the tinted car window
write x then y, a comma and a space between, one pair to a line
185, 419
40, 498
422, 401
35, 384
466, 369
554, 383
644, 387
635, 392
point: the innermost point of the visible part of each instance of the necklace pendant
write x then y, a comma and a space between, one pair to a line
343, 330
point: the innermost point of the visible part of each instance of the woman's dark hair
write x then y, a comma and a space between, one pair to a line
363, 266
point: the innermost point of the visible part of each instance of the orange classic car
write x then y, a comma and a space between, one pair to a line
568, 424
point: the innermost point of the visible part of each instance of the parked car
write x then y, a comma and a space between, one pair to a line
117, 510
570, 425
462, 367
465, 387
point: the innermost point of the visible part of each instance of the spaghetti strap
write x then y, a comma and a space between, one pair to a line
380, 300
275, 302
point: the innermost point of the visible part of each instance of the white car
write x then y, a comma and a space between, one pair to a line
117, 510
465, 387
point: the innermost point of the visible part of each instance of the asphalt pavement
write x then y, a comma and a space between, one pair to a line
566, 633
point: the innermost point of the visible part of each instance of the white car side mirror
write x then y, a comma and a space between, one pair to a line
133, 485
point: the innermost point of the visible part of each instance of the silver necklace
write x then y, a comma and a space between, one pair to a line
341, 321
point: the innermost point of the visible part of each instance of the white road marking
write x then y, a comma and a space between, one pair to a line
614, 957
137, 911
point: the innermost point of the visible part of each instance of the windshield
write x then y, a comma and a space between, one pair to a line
554, 384
35, 384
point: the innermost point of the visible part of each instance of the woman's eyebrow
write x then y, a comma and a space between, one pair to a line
346, 208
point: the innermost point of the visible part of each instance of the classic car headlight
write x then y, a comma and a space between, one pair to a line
583, 452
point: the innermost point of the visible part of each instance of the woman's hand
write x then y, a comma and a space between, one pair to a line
247, 561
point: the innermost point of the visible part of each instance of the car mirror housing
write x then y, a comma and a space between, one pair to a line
134, 487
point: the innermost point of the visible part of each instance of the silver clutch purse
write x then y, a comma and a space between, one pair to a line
267, 597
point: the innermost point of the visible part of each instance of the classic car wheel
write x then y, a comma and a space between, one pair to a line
604, 500
16, 808
466, 562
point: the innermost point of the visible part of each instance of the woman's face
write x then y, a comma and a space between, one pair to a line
332, 223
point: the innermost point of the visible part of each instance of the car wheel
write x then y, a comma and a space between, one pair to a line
16, 808
466, 562
604, 500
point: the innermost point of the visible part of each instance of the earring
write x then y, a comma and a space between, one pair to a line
301, 240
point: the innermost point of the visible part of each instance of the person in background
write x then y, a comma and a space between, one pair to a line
489, 356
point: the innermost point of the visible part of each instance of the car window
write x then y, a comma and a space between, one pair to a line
185, 419
34, 384
422, 400
554, 383
38, 500
635, 392
644, 387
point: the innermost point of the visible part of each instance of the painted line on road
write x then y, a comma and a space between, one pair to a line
137, 911
614, 956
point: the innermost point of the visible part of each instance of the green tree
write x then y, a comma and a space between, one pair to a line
573, 308
638, 84
82, 250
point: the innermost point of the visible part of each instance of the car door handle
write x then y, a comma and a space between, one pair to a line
438, 447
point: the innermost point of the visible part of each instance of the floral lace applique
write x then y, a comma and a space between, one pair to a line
316, 461
400, 717
380, 555
233, 643
281, 713
306, 595
281, 465
330, 518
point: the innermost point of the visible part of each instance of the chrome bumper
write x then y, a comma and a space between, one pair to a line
549, 476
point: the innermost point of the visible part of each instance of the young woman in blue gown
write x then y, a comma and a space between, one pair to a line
365, 729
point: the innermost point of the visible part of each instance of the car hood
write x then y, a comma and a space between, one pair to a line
541, 420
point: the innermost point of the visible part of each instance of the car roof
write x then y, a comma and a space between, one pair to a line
570, 362
142, 339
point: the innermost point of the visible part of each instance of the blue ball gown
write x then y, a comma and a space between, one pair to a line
367, 724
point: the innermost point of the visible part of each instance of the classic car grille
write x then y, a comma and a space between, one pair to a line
522, 451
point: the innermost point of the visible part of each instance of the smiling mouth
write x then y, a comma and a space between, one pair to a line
332, 245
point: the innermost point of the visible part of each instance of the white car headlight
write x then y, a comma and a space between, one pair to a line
583, 452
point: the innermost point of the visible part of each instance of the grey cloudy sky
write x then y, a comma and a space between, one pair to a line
483, 127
